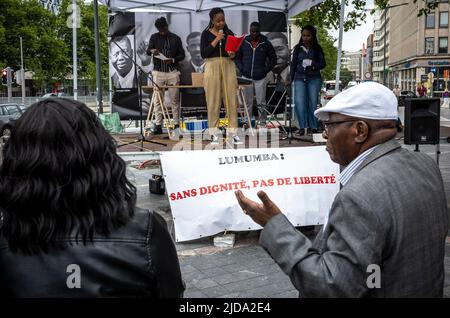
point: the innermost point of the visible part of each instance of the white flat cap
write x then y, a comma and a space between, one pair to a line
368, 100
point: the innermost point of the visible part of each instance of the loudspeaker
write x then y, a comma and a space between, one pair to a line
422, 117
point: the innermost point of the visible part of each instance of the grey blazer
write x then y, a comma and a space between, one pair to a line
392, 213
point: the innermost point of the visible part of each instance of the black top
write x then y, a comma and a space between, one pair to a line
207, 50
138, 259
170, 46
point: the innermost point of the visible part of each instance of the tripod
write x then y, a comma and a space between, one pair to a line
272, 115
141, 137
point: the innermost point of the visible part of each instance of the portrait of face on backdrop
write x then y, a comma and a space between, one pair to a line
121, 50
193, 61
280, 44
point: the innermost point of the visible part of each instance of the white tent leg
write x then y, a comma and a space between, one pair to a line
338, 63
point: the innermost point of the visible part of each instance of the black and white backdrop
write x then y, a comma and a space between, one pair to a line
132, 32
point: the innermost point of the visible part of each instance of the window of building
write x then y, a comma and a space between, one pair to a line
429, 45
443, 45
443, 19
429, 21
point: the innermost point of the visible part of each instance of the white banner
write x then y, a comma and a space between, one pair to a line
200, 185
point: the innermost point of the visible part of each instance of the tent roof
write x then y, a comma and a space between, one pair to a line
292, 7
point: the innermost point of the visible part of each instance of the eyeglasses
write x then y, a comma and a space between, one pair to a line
326, 125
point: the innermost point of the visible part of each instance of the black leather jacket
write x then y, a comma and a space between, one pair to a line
137, 260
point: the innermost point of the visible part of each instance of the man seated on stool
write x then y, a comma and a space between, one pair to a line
166, 72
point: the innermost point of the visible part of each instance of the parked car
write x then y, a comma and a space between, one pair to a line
60, 94
329, 89
9, 113
351, 84
405, 94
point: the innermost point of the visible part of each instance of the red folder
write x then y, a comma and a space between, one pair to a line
234, 42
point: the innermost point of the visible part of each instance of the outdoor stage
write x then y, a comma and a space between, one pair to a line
269, 139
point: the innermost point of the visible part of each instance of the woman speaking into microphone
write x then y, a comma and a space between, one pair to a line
220, 79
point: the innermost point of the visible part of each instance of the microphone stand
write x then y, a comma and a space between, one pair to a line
141, 138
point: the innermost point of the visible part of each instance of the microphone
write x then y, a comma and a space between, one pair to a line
220, 42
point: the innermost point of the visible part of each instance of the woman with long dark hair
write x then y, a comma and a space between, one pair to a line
68, 222
307, 61
220, 79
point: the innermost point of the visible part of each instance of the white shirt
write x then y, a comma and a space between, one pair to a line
128, 80
348, 172
198, 69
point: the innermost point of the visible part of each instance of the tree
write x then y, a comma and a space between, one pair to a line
85, 37
44, 52
327, 13
345, 76
330, 51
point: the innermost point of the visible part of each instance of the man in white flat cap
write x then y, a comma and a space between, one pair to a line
386, 230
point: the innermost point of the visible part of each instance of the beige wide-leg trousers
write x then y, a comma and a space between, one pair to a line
218, 86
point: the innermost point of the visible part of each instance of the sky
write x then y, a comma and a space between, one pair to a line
353, 40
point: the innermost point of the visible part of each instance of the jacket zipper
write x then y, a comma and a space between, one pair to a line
253, 57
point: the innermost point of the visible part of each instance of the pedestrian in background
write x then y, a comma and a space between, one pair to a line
421, 90
69, 226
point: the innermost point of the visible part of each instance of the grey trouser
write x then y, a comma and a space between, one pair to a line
260, 95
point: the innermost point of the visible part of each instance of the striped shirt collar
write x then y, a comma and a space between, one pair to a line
350, 170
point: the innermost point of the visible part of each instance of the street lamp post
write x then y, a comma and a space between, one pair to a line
385, 36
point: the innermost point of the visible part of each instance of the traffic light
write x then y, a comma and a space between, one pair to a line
4, 77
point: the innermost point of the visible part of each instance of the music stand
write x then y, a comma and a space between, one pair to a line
141, 137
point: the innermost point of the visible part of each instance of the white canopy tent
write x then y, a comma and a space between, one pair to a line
290, 7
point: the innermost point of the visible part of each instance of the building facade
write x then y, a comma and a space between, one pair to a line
420, 47
51, 5
353, 62
367, 72
381, 47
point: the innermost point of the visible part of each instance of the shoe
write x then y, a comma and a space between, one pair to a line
214, 140
237, 140
300, 132
156, 130
314, 131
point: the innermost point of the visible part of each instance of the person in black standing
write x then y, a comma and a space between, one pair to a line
307, 61
166, 72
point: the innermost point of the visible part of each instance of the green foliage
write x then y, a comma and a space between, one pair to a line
330, 51
345, 76
44, 52
327, 13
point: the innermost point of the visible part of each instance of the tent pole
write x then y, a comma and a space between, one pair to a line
98, 61
339, 57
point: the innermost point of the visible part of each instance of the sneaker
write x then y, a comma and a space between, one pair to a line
156, 130
237, 140
300, 132
214, 140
